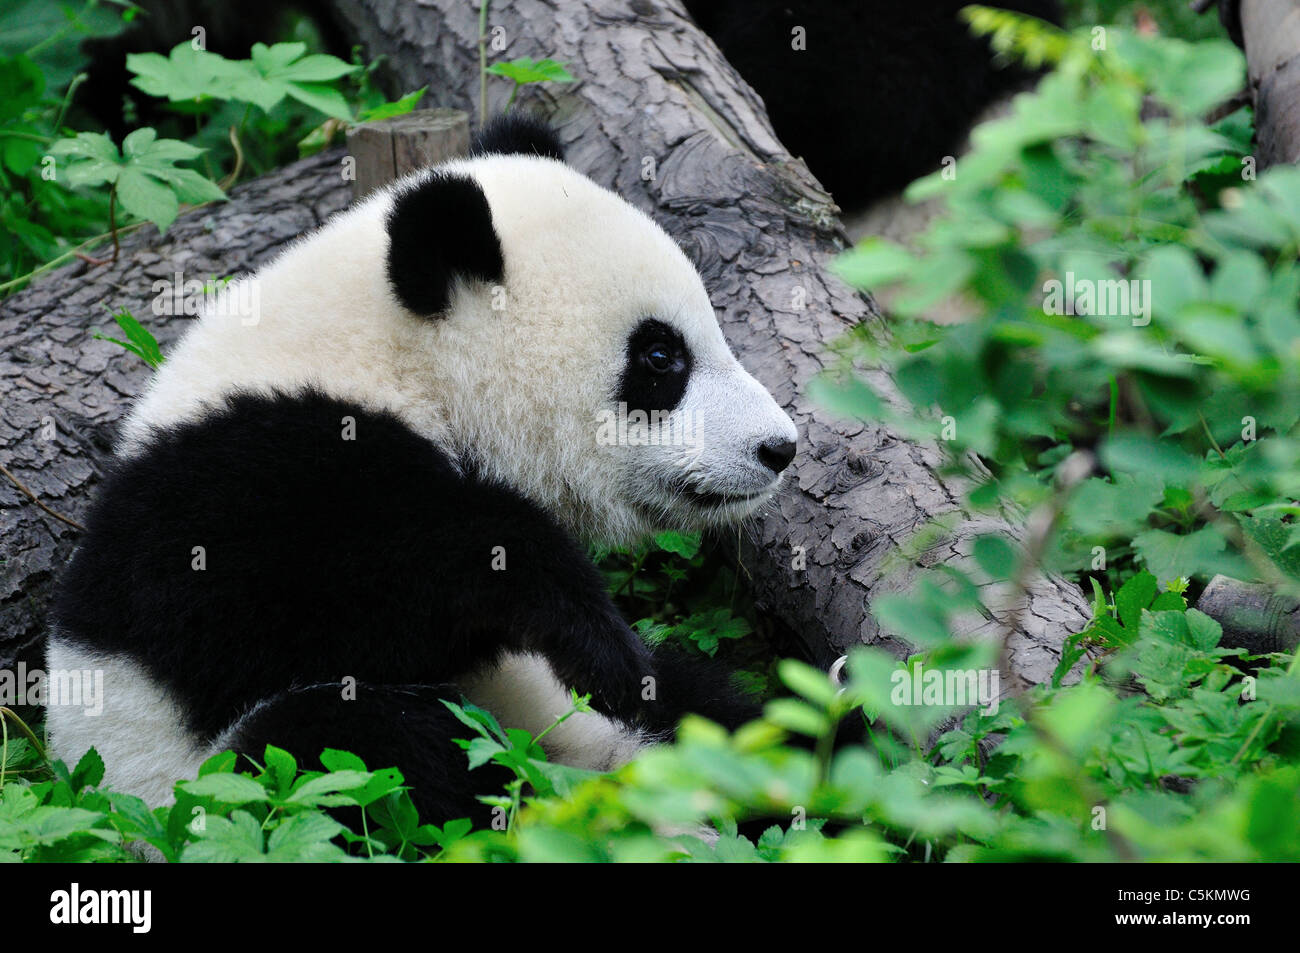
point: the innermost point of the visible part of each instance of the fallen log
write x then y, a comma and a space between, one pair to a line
64, 390
1270, 31
660, 117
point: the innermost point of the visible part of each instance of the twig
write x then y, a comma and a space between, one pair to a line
482, 61
25, 729
231, 179
1041, 525
32, 496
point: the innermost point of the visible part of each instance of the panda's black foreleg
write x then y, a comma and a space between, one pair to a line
404, 726
687, 684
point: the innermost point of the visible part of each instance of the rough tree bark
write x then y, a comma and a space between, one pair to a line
64, 391
1270, 31
662, 119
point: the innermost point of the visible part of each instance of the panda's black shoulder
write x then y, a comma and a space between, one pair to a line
518, 133
287, 538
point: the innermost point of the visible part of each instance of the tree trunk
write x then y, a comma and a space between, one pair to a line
64, 391
1270, 32
662, 119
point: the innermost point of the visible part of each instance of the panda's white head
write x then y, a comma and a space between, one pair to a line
574, 347
534, 323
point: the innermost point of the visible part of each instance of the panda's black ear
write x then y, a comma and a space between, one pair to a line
518, 133
439, 230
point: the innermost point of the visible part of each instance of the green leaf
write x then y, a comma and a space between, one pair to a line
21, 85
1170, 555
185, 74
813, 684
310, 792
685, 545
94, 146
305, 838
282, 768
796, 716
398, 107
527, 70
89, 771
873, 262
237, 839
275, 72
995, 556
1134, 596
147, 198
226, 788
139, 340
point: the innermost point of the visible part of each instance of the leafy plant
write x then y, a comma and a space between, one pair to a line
139, 341
143, 177
244, 113
269, 75
1184, 395
525, 70
40, 59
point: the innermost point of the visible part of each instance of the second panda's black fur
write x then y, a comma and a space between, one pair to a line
518, 133
338, 545
883, 89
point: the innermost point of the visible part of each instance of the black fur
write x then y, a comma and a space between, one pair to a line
642, 386
518, 133
883, 91
403, 726
329, 558
440, 230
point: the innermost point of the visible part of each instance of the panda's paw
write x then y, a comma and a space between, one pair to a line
623, 685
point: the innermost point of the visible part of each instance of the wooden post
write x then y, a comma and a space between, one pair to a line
388, 149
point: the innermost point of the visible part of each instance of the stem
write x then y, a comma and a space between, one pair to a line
1213, 443
482, 62
112, 220
32, 496
1114, 405
72, 253
27, 731
559, 721
230, 180
636, 568
67, 99
513, 93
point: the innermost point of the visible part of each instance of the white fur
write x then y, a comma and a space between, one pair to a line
140, 733
520, 389
522, 692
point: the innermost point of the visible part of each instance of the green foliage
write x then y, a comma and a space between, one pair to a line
39, 61
144, 177
280, 814
526, 70
680, 591
1128, 286
139, 341
237, 115
267, 77
1170, 17
1153, 742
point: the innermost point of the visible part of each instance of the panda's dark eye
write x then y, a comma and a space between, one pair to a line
659, 357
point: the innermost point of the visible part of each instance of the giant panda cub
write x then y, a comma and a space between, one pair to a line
388, 480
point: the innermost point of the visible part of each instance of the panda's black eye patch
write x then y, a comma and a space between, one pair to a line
656, 368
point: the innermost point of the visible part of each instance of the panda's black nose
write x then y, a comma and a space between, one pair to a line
776, 454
